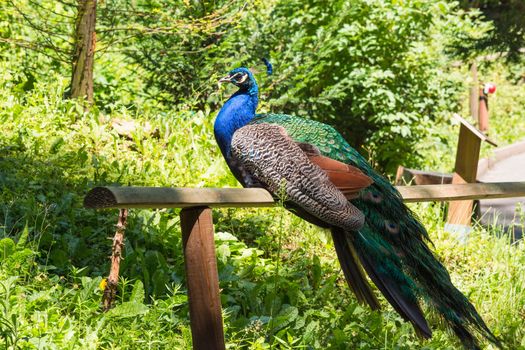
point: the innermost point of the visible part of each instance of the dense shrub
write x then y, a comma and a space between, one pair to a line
370, 68
508, 34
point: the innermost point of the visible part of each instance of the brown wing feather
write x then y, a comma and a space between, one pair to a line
348, 179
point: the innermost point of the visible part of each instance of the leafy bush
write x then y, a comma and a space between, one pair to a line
373, 69
370, 68
508, 33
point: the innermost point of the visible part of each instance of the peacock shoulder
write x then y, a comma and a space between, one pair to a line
328, 140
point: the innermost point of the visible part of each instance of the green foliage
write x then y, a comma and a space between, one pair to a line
281, 286
43, 29
508, 34
373, 69
177, 44
370, 68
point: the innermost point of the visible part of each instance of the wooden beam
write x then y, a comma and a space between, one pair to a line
440, 193
165, 197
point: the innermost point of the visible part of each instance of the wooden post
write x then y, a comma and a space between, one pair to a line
202, 278
474, 92
466, 168
465, 171
483, 113
110, 290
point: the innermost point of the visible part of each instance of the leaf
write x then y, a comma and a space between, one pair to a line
23, 237
160, 280
225, 236
287, 315
223, 253
128, 309
137, 294
309, 332
7, 247
55, 146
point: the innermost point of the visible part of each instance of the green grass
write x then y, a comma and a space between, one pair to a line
281, 285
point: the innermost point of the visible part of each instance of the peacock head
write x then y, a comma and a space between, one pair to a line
242, 78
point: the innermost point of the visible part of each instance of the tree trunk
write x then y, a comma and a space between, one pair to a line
84, 51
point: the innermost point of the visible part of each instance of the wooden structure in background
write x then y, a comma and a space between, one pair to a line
474, 92
478, 101
406, 176
467, 157
198, 240
465, 171
483, 112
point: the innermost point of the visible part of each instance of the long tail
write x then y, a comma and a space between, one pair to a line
386, 274
352, 269
394, 234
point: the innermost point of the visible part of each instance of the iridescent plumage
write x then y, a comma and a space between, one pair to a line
330, 184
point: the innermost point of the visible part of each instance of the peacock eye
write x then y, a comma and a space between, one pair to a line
239, 77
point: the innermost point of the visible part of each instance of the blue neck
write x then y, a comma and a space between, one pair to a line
238, 111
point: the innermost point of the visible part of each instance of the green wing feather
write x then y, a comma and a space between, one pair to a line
392, 242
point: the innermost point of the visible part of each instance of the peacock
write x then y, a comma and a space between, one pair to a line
328, 183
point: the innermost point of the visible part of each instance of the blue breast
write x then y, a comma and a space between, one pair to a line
238, 111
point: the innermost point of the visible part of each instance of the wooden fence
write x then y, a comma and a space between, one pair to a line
198, 241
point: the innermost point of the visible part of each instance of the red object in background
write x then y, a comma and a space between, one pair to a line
489, 88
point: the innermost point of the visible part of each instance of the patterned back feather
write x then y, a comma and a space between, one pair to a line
303, 181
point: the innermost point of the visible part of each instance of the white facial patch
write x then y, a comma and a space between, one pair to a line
243, 79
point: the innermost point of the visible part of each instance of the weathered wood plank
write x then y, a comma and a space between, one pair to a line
460, 212
168, 197
438, 193
202, 279
465, 171
165, 197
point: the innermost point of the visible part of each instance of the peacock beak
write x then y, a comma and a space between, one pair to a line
226, 79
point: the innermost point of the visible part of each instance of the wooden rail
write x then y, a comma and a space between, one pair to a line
198, 241
164, 197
